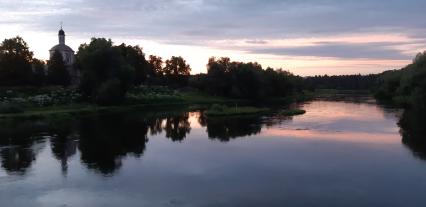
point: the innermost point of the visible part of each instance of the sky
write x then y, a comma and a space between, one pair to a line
306, 37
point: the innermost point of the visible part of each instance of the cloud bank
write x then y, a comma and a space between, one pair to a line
257, 27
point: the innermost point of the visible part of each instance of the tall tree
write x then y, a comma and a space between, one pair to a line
57, 71
106, 76
39, 74
156, 64
135, 57
176, 66
15, 62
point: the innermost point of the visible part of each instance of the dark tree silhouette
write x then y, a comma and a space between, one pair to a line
15, 62
226, 129
176, 66
104, 69
39, 77
135, 57
245, 80
57, 71
156, 64
177, 127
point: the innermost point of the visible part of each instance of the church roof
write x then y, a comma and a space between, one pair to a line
61, 47
61, 32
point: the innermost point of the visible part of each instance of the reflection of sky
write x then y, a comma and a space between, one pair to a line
268, 169
341, 121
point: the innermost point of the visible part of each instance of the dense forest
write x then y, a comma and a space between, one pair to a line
407, 88
342, 82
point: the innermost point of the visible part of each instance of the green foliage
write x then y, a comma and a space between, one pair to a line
292, 112
134, 56
341, 82
39, 75
39, 97
15, 62
156, 64
245, 80
175, 73
103, 66
10, 108
110, 93
176, 66
405, 87
153, 95
57, 71
221, 110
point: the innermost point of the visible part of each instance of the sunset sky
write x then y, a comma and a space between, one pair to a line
306, 37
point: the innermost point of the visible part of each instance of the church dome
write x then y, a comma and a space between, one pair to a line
61, 32
61, 47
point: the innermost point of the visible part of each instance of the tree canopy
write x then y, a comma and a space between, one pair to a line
406, 87
15, 62
245, 80
103, 67
57, 71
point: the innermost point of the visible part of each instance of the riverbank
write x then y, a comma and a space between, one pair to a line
192, 100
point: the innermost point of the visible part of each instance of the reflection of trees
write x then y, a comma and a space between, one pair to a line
63, 142
177, 127
105, 140
413, 131
18, 145
102, 140
225, 129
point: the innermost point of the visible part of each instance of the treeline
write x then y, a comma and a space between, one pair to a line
245, 80
342, 82
405, 87
17, 65
108, 71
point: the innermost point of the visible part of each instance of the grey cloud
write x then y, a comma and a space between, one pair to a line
382, 50
196, 21
251, 19
260, 42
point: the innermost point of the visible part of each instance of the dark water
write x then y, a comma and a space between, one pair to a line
338, 154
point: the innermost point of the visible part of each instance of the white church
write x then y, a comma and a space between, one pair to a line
68, 57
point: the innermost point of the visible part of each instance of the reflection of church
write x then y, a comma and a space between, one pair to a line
67, 55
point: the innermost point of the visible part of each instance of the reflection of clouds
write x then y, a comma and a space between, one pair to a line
319, 111
341, 121
79, 197
344, 116
358, 137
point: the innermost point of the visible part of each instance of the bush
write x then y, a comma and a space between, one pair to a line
10, 108
218, 108
292, 112
110, 93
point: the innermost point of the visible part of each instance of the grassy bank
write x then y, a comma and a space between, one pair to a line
221, 110
27, 103
292, 112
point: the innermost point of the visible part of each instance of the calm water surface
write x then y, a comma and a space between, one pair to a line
337, 154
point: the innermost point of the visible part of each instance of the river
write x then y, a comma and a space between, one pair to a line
340, 153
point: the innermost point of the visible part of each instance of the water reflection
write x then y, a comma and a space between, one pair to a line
177, 127
103, 141
337, 153
413, 131
19, 145
225, 129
